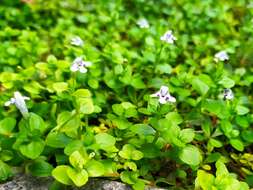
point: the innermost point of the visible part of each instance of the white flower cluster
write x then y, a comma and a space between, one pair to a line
164, 95
168, 37
221, 56
80, 65
143, 23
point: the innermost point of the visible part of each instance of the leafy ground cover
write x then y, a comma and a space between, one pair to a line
146, 92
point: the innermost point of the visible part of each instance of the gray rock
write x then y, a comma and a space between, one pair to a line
27, 182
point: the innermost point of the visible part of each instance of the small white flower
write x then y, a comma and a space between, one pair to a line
168, 37
19, 102
228, 94
80, 65
221, 56
164, 95
143, 23
77, 41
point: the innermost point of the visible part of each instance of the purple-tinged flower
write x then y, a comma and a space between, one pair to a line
168, 37
221, 56
164, 95
19, 102
77, 41
143, 23
228, 94
80, 65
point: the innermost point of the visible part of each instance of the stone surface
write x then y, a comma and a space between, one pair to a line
26, 182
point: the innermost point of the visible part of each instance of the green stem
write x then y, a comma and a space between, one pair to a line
157, 134
73, 81
158, 55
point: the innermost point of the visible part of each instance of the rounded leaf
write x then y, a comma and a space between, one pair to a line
191, 155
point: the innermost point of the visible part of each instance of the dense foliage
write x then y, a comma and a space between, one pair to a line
90, 90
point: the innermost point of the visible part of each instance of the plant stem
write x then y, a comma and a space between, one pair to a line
158, 55
157, 134
73, 81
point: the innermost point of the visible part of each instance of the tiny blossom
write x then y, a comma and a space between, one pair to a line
19, 102
80, 65
77, 41
228, 94
221, 56
143, 23
168, 37
164, 95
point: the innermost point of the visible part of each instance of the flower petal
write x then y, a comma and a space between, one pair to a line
82, 69
170, 98
26, 98
164, 90
8, 103
162, 100
157, 94
87, 63
74, 67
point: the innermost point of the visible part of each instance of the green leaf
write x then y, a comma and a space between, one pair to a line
110, 168
227, 82
187, 135
82, 93
36, 123
237, 144
129, 177
191, 155
204, 180
248, 136
221, 169
78, 159
60, 174
7, 125
242, 110
216, 107
33, 149
106, 142
174, 118
69, 123
6, 155
130, 165
73, 146
5, 171
131, 112
40, 168
242, 121
200, 86
57, 140
139, 185
84, 101
79, 178
118, 109
150, 150
164, 68
60, 86
94, 168
86, 106
121, 123
142, 130
137, 82
215, 143
129, 152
